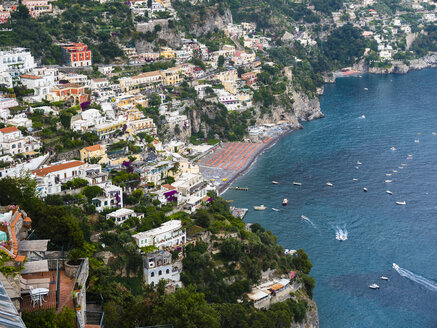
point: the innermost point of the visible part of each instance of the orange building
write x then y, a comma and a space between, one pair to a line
69, 92
76, 55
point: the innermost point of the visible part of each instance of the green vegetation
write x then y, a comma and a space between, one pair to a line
50, 319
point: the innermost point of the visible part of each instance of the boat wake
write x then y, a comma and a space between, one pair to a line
428, 284
307, 219
341, 233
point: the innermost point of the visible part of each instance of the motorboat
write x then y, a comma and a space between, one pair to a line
417, 140
401, 203
388, 174
359, 163
395, 171
384, 278
410, 155
275, 209
329, 184
400, 167
393, 148
389, 192
355, 179
363, 116
297, 183
259, 208
373, 286
403, 164
275, 182
285, 202
395, 266
365, 189
388, 181
434, 133
289, 251
342, 237
304, 217
366, 89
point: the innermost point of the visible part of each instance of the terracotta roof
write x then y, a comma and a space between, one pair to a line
32, 77
276, 287
168, 186
93, 148
101, 79
20, 258
69, 85
54, 168
28, 219
9, 129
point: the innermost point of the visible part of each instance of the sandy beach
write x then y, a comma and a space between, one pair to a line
233, 159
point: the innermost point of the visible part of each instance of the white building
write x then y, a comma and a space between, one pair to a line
111, 197
13, 142
169, 233
15, 62
122, 215
49, 179
157, 266
41, 85
87, 119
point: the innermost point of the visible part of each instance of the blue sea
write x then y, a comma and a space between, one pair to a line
400, 111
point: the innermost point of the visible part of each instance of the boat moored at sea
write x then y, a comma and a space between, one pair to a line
359, 163
329, 184
384, 278
275, 182
373, 286
259, 208
389, 192
401, 203
393, 148
297, 183
285, 202
365, 189
275, 209
388, 181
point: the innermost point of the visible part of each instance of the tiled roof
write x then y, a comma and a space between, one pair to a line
9, 129
32, 77
93, 148
168, 186
54, 168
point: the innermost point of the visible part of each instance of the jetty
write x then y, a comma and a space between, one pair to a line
239, 212
240, 188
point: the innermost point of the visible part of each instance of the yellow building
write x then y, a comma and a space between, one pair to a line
167, 53
95, 151
172, 76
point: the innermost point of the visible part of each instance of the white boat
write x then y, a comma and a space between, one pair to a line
365, 189
329, 184
400, 167
285, 202
259, 208
388, 181
434, 133
373, 286
404, 164
275, 182
384, 278
401, 203
395, 266
359, 163
389, 192
342, 237
388, 174
366, 89
297, 183
417, 140
304, 217
363, 116
355, 179
395, 171
275, 209
393, 148
410, 155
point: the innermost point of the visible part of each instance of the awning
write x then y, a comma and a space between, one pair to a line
33, 245
35, 267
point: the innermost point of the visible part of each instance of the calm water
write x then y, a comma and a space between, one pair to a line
397, 109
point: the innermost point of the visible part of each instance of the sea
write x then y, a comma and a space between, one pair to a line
378, 134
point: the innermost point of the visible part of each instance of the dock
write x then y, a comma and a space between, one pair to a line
240, 188
239, 212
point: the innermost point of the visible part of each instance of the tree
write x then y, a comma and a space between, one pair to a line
231, 249
301, 261
221, 61
154, 99
91, 191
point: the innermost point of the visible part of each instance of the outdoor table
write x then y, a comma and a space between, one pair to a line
40, 292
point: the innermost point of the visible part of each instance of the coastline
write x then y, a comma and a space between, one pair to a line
426, 62
224, 187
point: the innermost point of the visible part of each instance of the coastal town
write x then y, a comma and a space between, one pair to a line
135, 148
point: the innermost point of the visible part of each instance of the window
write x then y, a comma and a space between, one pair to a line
160, 273
167, 271
152, 274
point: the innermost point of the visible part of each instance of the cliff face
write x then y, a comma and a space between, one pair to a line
311, 319
211, 20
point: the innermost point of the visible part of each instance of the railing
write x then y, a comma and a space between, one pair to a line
49, 301
58, 279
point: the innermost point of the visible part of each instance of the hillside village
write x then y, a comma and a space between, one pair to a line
139, 147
